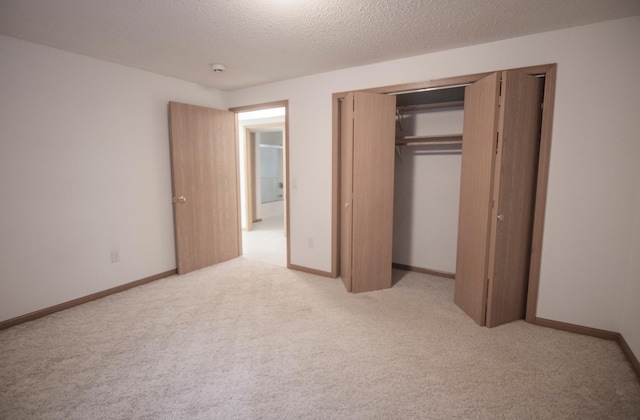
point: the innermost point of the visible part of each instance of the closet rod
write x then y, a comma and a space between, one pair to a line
431, 137
430, 143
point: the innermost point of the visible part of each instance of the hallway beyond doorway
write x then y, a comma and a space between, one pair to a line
266, 242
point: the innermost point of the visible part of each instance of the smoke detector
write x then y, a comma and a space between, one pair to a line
218, 68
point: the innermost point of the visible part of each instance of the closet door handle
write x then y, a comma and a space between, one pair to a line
501, 217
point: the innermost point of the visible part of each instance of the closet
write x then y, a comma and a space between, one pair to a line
499, 146
427, 179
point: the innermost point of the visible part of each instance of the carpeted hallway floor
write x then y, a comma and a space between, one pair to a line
266, 242
245, 339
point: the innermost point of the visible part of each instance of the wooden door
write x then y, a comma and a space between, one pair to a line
346, 188
514, 193
205, 186
500, 150
479, 138
367, 156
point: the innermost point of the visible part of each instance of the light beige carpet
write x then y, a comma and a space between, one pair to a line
266, 242
245, 339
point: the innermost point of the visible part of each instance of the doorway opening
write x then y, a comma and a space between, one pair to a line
263, 162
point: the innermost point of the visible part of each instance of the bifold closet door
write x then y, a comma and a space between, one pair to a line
346, 187
367, 171
476, 185
497, 194
514, 192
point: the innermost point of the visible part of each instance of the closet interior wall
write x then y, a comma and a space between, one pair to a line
427, 179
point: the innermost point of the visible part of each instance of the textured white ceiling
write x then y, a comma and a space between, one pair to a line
267, 40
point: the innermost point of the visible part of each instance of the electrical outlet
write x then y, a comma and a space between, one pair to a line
115, 256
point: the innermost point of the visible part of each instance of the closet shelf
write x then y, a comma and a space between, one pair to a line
437, 105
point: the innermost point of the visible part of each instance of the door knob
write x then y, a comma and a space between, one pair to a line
346, 205
182, 199
501, 217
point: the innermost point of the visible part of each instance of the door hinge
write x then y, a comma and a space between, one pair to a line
497, 140
499, 101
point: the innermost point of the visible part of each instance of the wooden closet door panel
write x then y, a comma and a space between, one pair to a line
476, 187
346, 188
514, 193
205, 183
373, 172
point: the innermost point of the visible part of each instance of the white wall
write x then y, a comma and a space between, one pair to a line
630, 328
593, 174
84, 169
